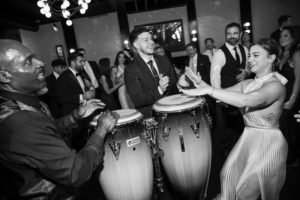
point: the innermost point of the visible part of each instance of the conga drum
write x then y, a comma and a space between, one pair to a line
128, 171
184, 136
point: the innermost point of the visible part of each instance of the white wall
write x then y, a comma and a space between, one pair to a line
161, 16
99, 36
43, 42
212, 18
265, 14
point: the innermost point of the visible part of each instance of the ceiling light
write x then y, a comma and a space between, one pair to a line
63, 8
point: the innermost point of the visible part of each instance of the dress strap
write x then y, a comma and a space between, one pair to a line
281, 78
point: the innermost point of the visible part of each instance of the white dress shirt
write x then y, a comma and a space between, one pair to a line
146, 59
56, 75
210, 53
193, 63
218, 62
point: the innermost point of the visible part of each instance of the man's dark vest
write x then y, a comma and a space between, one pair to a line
231, 68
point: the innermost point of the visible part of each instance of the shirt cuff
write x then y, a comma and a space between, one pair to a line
80, 98
160, 91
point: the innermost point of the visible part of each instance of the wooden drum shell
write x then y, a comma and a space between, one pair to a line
187, 171
131, 176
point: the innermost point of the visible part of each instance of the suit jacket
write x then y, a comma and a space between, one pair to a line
141, 85
68, 91
203, 66
276, 35
50, 98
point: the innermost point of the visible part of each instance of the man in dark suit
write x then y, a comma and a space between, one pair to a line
198, 62
72, 87
148, 78
90, 67
50, 98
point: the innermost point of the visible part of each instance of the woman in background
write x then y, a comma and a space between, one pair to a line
246, 40
257, 164
107, 88
118, 76
289, 67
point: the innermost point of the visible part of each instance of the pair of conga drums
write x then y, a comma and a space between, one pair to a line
184, 136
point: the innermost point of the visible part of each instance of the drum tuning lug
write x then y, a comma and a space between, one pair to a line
166, 132
115, 147
158, 153
195, 127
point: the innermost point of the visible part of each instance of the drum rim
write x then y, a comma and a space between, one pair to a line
129, 122
180, 110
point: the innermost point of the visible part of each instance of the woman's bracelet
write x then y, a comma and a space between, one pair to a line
211, 92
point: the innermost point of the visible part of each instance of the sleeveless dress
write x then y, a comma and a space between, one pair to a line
124, 98
260, 152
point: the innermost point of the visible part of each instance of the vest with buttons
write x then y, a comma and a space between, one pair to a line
231, 68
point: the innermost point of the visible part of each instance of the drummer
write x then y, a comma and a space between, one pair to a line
35, 159
148, 77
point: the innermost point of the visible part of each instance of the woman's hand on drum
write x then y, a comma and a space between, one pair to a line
106, 122
195, 78
86, 108
202, 89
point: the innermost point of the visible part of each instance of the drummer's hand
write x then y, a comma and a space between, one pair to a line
106, 122
163, 82
86, 108
195, 78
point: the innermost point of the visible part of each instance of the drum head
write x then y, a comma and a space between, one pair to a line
128, 116
177, 103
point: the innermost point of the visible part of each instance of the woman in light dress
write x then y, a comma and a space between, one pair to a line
118, 75
257, 164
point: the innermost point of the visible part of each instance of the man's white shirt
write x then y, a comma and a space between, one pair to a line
218, 62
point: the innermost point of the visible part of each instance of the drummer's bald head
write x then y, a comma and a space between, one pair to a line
9, 53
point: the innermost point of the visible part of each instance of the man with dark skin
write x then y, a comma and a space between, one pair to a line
35, 159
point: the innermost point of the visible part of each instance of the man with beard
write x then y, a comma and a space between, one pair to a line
35, 159
72, 89
148, 77
72, 86
229, 66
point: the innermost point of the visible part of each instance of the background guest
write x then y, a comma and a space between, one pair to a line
290, 68
121, 61
50, 98
228, 67
246, 40
284, 20
210, 48
107, 89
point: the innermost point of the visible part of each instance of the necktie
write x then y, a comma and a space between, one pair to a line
154, 72
237, 57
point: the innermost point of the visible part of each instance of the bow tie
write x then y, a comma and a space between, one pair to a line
78, 74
